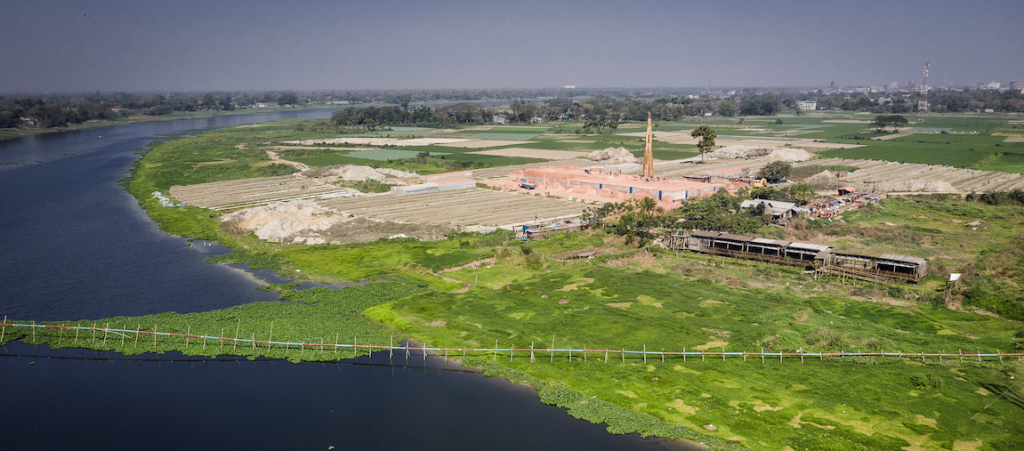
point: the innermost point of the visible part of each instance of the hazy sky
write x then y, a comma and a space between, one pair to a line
141, 45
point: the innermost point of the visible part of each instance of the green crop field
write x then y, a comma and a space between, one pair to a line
505, 136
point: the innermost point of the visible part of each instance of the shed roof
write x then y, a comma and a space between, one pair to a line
731, 237
903, 258
704, 234
771, 242
808, 246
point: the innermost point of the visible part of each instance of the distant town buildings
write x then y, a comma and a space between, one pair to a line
807, 105
570, 86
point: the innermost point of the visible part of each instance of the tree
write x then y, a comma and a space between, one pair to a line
288, 98
897, 121
880, 122
707, 139
775, 171
802, 193
405, 102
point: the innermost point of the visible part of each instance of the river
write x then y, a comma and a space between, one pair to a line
75, 246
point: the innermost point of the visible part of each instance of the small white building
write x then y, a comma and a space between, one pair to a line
499, 119
807, 105
536, 120
772, 208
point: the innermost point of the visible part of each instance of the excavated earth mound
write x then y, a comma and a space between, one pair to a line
917, 186
304, 222
739, 151
787, 154
354, 173
612, 155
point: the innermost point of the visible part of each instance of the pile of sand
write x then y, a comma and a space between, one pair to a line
739, 151
787, 154
612, 155
916, 186
284, 222
825, 180
304, 222
354, 173
764, 153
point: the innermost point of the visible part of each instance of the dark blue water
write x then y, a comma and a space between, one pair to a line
74, 246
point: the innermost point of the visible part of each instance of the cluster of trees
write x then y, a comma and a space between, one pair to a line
940, 101
424, 116
895, 121
775, 172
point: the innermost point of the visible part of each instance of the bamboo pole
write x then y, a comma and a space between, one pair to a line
1000, 356
605, 356
552, 348
187, 333
123, 327
723, 353
532, 360
105, 329
154, 335
234, 344
59, 339
391, 345
137, 327
662, 355
584, 353
76, 336
623, 356
221, 341
354, 343
336, 336
645, 353
253, 341
4, 332
271, 337
495, 351
93, 332
684, 354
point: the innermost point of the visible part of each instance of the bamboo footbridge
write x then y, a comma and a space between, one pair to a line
483, 352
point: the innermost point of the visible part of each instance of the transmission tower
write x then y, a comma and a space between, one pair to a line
923, 105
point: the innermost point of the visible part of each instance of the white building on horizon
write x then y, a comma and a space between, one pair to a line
807, 105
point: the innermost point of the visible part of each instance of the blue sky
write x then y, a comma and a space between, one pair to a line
60, 46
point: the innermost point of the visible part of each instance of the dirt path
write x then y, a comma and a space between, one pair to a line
296, 165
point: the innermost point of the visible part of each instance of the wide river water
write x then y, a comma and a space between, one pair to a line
73, 246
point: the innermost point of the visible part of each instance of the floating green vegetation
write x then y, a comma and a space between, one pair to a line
316, 315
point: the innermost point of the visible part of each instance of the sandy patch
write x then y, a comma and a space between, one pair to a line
893, 136
1014, 139
481, 143
712, 344
620, 304
570, 287
647, 300
712, 302
762, 407
925, 421
796, 422
214, 163
981, 391
438, 323
626, 393
680, 405
531, 153
960, 445
717, 333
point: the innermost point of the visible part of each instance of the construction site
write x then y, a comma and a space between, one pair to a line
321, 205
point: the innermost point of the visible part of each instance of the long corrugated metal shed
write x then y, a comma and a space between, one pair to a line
808, 246
903, 258
731, 237
771, 242
703, 234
